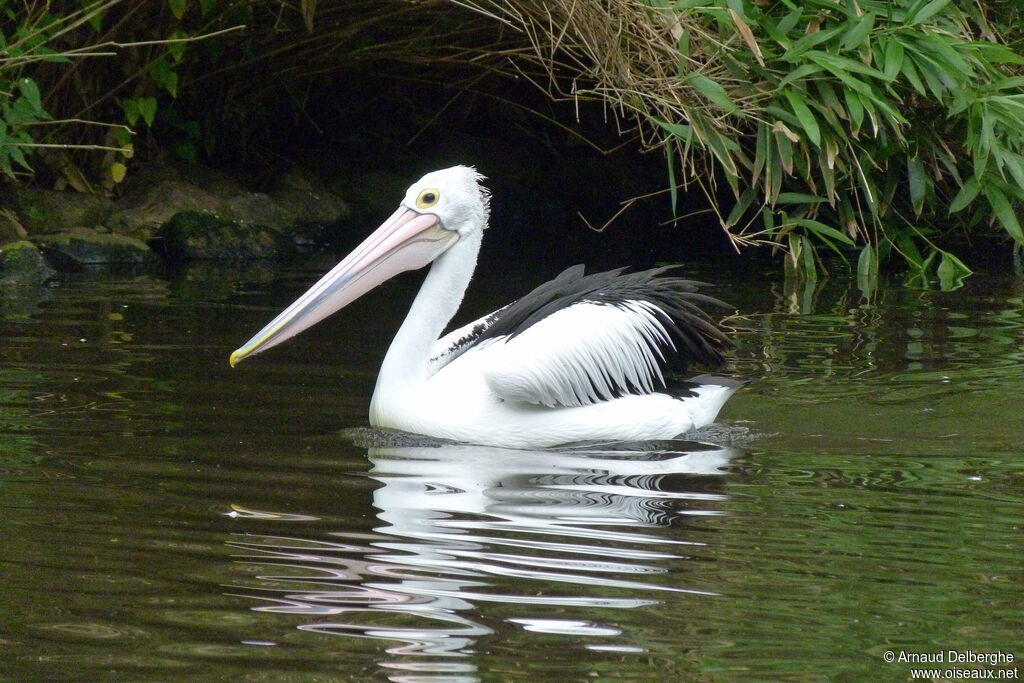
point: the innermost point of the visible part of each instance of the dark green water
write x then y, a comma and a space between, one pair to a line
163, 517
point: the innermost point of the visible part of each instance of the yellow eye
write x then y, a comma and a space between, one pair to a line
427, 199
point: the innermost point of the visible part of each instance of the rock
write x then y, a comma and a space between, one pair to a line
373, 194
258, 208
308, 199
43, 211
78, 247
144, 212
200, 235
21, 264
11, 229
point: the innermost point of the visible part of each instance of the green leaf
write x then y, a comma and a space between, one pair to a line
996, 53
1004, 212
918, 182
809, 41
867, 262
177, 49
30, 91
808, 266
925, 13
800, 72
131, 110
968, 192
806, 117
789, 21
799, 198
16, 153
905, 243
893, 59
676, 130
857, 33
673, 191
713, 91
911, 74
839, 63
741, 206
164, 76
20, 112
147, 109
951, 272
856, 109
822, 230
177, 8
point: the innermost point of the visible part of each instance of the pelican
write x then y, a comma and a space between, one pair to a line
582, 357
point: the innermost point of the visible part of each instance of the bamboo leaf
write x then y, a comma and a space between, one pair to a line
951, 272
806, 117
809, 41
996, 53
760, 150
801, 71
741, 206
918, 183
856, 109
867, 262
713, 91
925, 13
968, 192
808, 266
905, 243
1004, 212
858, 33
839, 63
910, 73
673, 191
799, 198
893, 59
788, 22
822, 230
676, 130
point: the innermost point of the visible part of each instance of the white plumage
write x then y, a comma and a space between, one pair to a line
581, 357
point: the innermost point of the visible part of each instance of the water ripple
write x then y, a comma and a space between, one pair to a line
538, 532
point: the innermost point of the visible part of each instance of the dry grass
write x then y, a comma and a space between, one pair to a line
627, 56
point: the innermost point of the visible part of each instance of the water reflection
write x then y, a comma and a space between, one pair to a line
476, 540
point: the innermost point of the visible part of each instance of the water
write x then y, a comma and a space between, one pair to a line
163, 517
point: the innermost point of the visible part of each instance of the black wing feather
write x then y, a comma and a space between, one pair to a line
697, 338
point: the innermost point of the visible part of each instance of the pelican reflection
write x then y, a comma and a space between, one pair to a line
475, 540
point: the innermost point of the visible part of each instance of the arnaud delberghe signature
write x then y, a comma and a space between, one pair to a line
955, 657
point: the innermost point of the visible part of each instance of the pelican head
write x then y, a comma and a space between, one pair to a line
438, 210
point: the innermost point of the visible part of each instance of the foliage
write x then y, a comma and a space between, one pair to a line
46, 51
29, 33
880, 130
200, 73
834, 123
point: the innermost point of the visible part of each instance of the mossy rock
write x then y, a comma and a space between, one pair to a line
47, 211
22, 264
79, 247
200, 235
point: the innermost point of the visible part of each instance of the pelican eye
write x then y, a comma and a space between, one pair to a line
427, 198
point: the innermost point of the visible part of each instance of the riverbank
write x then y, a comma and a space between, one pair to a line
168, 214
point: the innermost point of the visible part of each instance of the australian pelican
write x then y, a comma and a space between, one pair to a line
582, 357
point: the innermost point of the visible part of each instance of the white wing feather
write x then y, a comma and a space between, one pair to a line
582, 354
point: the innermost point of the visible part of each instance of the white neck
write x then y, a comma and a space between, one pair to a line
405, 365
